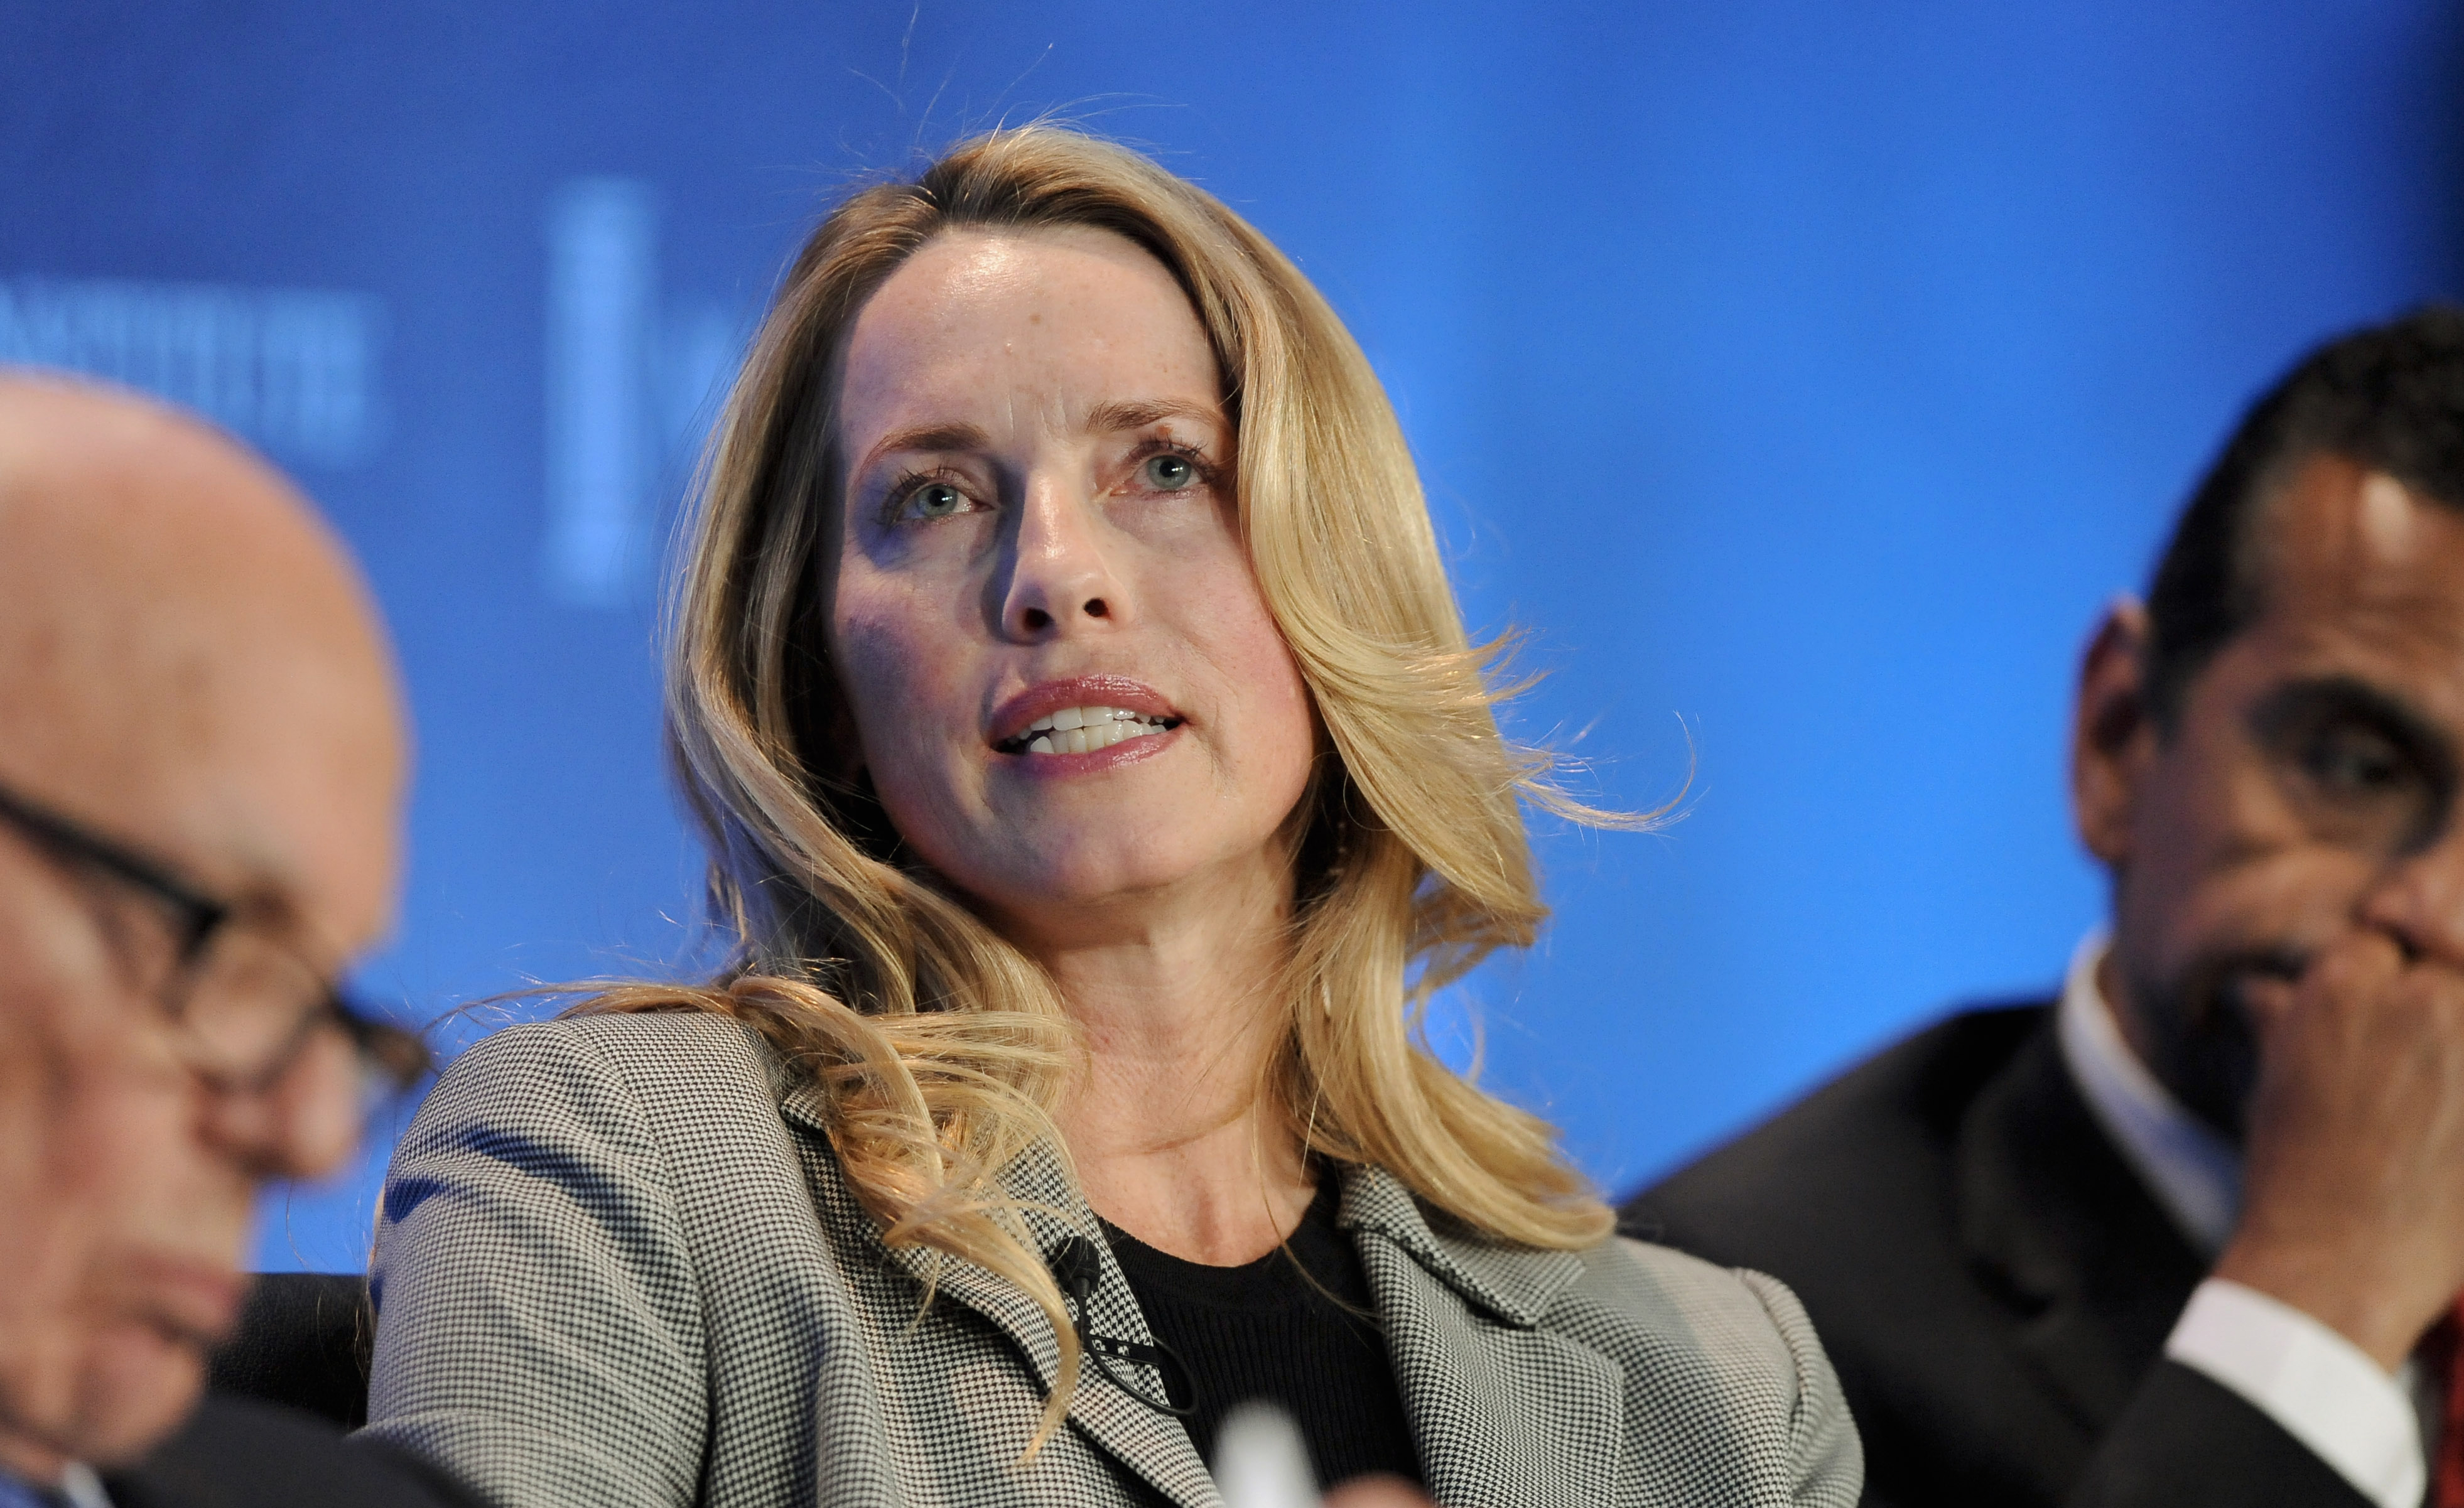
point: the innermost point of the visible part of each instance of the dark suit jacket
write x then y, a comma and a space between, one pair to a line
238, 1454
1991, 1280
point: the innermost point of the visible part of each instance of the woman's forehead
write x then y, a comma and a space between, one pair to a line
1003, 326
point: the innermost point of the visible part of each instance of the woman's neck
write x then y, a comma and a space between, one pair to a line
1180, 1010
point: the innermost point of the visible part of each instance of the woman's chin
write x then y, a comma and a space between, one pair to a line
1127, 872
1095, 889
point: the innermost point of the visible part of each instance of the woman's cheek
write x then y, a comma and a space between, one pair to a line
1253, 659
912, 710
880, 665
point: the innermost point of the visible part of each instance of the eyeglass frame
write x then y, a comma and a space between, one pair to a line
396, 1058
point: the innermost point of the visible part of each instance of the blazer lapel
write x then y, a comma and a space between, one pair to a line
2057, 1224
1503, 1412
1155, 1446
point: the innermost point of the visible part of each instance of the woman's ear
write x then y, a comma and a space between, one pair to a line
2113, 734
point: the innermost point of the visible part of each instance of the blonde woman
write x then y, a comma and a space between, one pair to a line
1098, 777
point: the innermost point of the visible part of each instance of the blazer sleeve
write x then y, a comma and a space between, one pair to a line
2186, 1441
1826, 1461
539, 1328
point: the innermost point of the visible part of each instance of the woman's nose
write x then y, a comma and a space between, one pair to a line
1061, 580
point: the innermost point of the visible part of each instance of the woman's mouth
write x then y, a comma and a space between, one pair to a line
1084, 729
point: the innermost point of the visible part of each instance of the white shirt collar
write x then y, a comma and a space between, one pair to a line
2193, 1173
77, 1487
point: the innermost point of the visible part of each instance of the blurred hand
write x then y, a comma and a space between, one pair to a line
1377, 1492
2353, 1199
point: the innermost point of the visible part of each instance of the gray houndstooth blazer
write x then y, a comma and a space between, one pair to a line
618, 1265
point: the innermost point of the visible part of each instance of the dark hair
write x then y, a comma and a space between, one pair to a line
2390, 398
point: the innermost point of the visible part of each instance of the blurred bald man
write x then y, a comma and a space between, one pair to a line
202, 769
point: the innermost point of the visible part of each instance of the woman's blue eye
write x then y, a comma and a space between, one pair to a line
936, 500
1169, 472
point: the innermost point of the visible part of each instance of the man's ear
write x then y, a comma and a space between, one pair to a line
2113, 732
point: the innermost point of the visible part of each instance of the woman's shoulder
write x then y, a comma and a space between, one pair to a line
626, 1186
1716, 1365
1726, 1355
672, 1111
1640, 1305
688, 1041
1744, 1328
639, 1067
1654, 1283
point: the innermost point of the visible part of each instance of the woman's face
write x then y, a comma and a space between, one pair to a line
1064, 683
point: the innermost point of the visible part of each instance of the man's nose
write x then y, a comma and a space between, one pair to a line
304, 1124
1061, 579
2420, 902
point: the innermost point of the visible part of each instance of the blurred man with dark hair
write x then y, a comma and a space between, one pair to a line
201, 780
2193, 1232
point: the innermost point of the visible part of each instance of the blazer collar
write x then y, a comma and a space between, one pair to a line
1154, 1446
1512, 1284
2060, 1228
1463, 1318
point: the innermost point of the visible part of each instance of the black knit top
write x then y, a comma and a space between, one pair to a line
1265, 1331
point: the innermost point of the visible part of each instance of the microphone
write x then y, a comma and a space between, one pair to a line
1261, 1460
1077, 1266
1076, 1263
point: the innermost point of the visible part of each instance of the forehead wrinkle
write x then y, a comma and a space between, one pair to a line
1054, 411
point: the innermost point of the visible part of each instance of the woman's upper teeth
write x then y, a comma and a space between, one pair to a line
1083, 729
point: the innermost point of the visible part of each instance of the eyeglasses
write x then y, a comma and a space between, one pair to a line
244, 1002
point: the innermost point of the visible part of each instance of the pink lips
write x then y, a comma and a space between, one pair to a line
1021, 712
1029, 707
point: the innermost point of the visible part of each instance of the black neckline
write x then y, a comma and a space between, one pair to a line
1317, 1247
1298, 1326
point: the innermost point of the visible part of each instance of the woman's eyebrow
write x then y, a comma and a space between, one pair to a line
925, 437
1138, 413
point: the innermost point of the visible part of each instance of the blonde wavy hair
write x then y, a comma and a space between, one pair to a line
942, 1049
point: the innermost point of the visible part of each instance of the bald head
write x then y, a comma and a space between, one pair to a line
189, 670
186, 650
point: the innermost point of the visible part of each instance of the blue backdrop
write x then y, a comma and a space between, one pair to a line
1804, 378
